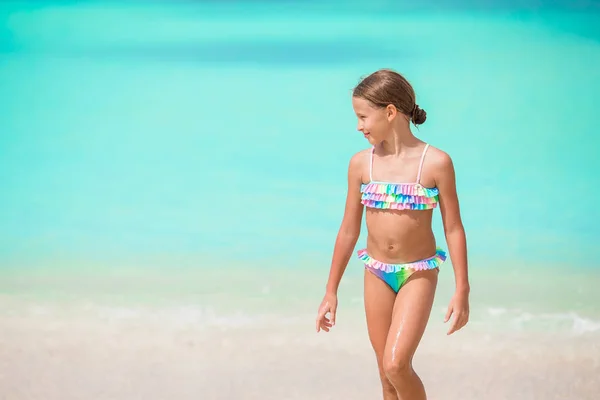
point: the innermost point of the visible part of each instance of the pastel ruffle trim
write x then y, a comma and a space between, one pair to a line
428, 263
407, 189
397, 206
399, 196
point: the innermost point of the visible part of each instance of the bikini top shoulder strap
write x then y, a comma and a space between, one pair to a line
371, 164
421, 163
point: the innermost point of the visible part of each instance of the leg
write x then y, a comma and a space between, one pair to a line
379, 303
412, 309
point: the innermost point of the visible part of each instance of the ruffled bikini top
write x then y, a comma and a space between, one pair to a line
399, 196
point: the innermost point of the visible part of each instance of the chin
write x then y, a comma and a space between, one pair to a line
372, 140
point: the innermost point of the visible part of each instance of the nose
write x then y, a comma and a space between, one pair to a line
359, 127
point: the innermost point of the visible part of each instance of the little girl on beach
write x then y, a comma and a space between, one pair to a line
400, 180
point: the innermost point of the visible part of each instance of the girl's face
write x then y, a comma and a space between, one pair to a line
374, 123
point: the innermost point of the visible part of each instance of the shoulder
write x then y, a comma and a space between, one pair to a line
442, 167
359, 163
438, 159
360, 159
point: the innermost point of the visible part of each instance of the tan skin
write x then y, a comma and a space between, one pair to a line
396, 322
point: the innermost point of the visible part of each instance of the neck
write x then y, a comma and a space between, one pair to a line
400, 139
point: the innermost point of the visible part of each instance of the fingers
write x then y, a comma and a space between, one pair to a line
448, 314
320, 318
326, 315
460, 320
326, 326
324, 323
453, 326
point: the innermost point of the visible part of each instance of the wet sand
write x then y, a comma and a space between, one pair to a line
123, 353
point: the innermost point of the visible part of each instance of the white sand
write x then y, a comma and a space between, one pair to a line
109, 353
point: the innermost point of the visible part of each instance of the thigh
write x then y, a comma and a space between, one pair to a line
379, 304
411, 312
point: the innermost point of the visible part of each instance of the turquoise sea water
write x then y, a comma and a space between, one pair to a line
213, 137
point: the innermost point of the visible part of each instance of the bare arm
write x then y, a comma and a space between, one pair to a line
350, 228
453, 227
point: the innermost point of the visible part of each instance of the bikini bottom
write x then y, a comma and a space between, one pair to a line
396, 275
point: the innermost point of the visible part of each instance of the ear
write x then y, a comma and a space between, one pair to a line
390, 112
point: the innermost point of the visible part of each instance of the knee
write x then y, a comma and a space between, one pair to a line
397, 368
385, 382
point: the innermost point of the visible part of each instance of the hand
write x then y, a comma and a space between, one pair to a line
328, 305
459, 306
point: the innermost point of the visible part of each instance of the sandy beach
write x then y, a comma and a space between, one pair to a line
111, 352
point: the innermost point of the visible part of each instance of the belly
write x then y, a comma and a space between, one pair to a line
399, 236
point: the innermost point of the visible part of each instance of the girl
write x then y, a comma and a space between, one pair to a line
400, 180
